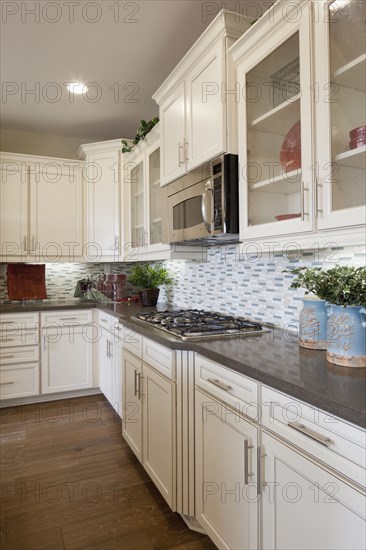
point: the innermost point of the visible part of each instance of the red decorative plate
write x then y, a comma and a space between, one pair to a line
290, 155
281, 217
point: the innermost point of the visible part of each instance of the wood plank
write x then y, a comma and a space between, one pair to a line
69, 481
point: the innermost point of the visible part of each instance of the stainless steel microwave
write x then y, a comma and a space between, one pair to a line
203, 206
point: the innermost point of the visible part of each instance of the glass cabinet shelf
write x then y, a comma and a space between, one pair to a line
354, 158
271, 121
283, 184
352, 75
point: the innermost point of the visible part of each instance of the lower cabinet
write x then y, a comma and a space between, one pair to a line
110, 368
149, 422
226, 475
305, 506
66, 360
106, 364
19, 380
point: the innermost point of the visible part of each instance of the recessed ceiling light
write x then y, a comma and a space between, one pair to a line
77, 88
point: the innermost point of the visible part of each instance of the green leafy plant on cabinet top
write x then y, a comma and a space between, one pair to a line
142, 131
340, 285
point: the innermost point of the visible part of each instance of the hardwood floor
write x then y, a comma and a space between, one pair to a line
69, 481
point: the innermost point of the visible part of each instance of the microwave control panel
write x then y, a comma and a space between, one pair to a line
217, 196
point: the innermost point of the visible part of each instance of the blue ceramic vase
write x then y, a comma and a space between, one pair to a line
313, 324
347, 336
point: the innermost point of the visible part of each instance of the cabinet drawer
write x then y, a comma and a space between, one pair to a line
23, 354
105, 320
159, 357
230, 387
132, 341
333, 441
53, 319
19, 381
21, 338
14, 323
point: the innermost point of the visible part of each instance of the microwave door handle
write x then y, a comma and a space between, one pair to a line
208, 225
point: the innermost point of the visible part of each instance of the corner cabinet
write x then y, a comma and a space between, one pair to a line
41, 208
296, 179
144, 215
103, 207
143, 208
197, 101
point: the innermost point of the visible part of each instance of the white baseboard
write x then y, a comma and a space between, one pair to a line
193, 524
48, 397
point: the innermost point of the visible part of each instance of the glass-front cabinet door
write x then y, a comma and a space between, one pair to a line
154, 222
341, 112
275, 125
138, 233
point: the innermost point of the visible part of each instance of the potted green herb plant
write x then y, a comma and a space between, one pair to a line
343, 289
148, 278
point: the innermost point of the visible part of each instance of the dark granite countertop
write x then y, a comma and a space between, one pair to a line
273, 358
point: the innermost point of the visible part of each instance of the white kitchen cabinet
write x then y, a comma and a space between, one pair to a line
66, 353
197, 102
106, 364
305, 505
41, 208
226, 474
340, 104
149, 422
276, 187
132, 412
144, 204
13, 209
302, 87
158, 429
143, 199
102, 175
19, 355
110, 367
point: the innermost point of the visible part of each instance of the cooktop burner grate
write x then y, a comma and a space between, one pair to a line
195, 323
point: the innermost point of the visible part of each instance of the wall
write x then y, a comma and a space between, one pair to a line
30, 143
230, 281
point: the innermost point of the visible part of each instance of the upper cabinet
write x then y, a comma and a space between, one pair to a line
143, 203
41, 208
102, 176
302, 90
198, 101
340, 103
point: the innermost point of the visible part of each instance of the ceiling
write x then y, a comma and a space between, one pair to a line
126, 48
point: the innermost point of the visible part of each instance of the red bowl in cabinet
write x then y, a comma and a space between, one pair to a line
358, 133
290, 154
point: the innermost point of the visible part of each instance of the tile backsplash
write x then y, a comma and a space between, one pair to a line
229, 282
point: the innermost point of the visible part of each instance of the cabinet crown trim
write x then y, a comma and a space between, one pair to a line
226, 24
100, 146
266, 27
31, 159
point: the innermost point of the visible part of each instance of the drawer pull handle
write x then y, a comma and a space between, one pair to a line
219, 384
104, 320
309, 433
7, 357
6, 383
68, 318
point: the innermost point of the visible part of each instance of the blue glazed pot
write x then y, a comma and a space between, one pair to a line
347, 336
313, 325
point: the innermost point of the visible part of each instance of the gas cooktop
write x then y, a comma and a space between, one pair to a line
194, 323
